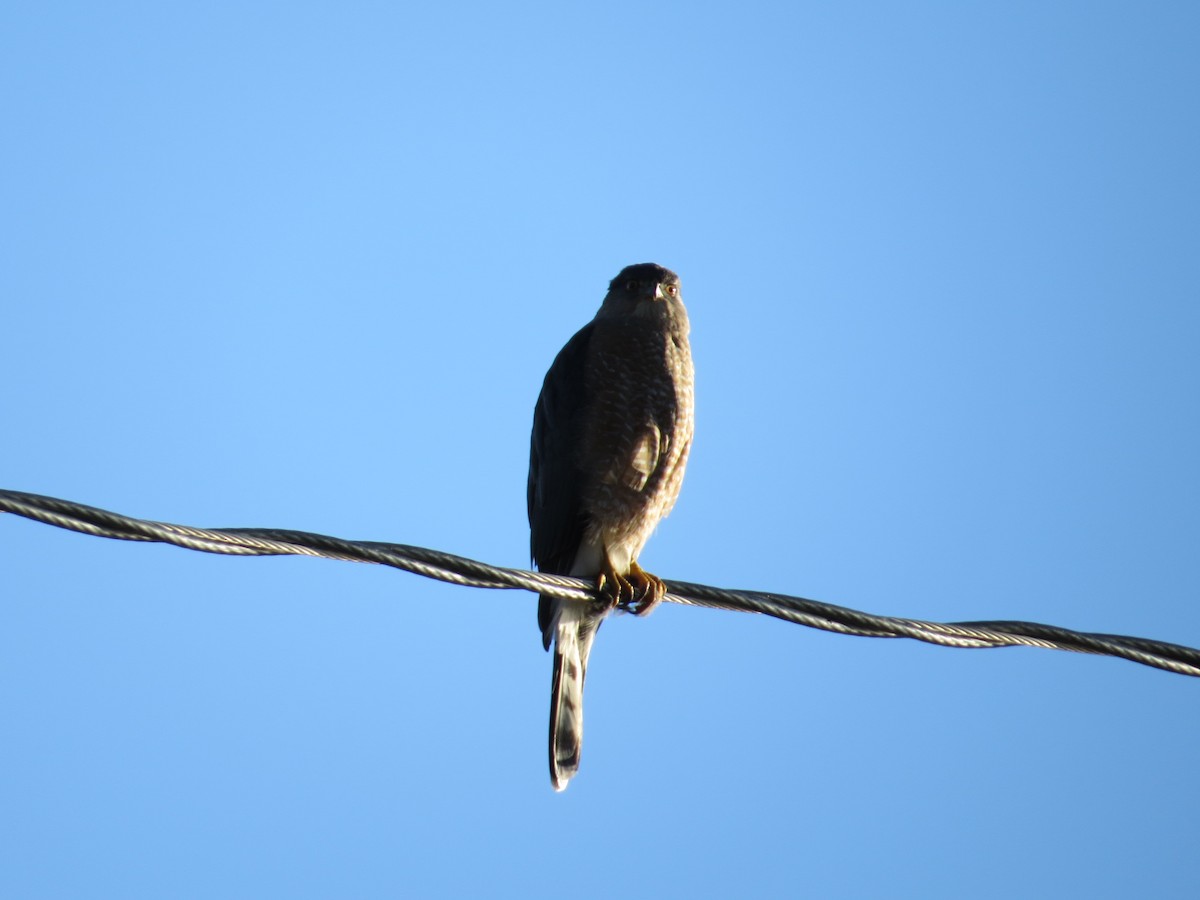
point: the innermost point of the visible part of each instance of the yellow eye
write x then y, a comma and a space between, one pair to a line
673, 290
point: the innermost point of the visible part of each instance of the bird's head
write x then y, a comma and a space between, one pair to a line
645, 289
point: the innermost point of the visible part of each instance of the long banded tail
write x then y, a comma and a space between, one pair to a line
572, 645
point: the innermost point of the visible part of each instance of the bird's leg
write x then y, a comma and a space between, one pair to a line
648, 590
636, 591
614, 588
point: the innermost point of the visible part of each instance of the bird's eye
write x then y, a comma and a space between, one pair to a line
630, 285
673, 290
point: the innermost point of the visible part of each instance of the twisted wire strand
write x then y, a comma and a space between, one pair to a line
460, 570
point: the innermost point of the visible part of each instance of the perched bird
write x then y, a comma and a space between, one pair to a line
611, 433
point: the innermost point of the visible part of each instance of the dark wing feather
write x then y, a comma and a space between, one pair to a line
556, 518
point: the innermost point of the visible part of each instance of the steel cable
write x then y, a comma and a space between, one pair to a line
472, 573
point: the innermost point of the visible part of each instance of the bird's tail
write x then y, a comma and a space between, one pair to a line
572, 645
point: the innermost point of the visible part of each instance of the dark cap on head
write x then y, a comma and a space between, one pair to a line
643, 273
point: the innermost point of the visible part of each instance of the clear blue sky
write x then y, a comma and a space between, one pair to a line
304, 266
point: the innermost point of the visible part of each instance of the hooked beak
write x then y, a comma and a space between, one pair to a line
658, 292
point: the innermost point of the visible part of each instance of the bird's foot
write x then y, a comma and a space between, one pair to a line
637, 591
648, 590
615, 590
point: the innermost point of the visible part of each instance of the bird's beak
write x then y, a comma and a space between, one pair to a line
658, 293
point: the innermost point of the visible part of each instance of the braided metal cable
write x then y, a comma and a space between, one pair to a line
472, 573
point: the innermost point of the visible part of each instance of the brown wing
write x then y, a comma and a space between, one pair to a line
556, 518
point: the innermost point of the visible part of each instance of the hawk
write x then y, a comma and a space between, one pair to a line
611, 433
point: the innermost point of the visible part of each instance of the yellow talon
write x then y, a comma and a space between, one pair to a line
648, 590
